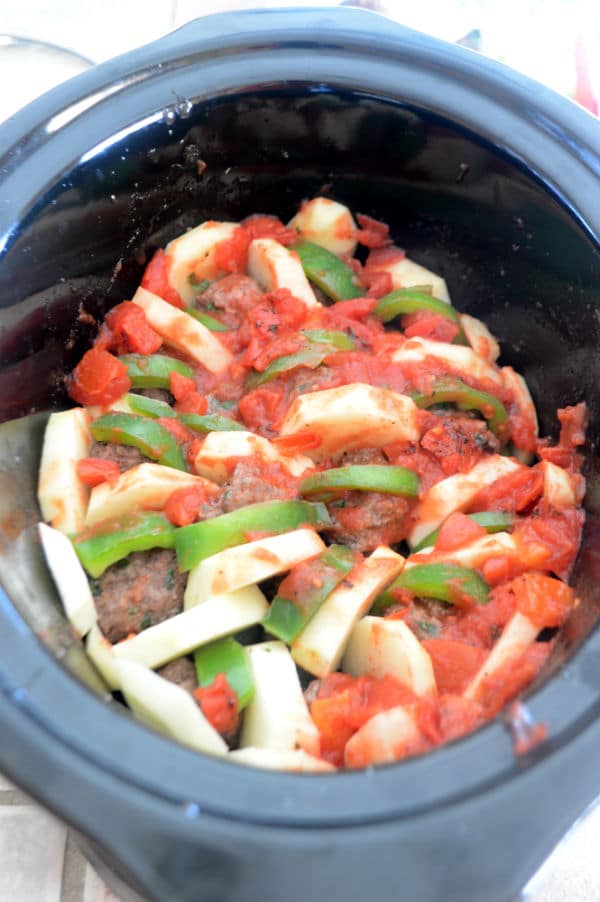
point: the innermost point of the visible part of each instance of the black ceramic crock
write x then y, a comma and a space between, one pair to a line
483, 175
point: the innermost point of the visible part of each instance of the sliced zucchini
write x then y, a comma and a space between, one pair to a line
168, 708
406, 273
480, 338
181, 331
277, 716
62, 495
274, 266
145, 487
321, 644
181, 634
455, 493
464, 361
558, 488
473, 555
244, 565
387, 737
295, 760
517, 636
193, 253
220, 450
352, 416
379, 647
70, 579
100, 651
326, 222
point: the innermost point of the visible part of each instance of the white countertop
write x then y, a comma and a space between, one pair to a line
39, 861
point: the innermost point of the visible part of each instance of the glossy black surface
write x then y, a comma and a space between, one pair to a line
484, 178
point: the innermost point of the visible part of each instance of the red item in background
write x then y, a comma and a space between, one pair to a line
98, 378
584, 92
131, 332
156, 279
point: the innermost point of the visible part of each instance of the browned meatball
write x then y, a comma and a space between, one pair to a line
364, 520
126, 456
235, 294
247, 485
182, 672
134, 594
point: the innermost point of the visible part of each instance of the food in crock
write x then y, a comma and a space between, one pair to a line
318, 525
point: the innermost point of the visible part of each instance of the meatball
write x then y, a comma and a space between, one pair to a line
235, 294
248, 485
182, 672
364, 520
144, 589
126, 456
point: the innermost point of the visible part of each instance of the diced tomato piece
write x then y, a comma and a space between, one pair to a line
285, 344
297, 442
500, 568
179, 385
455, 663
231, 254
514, 492
458, 530
130, 331
156, 279
426, 324
355, 308
99, 378
219, 704
456, 444
330, 715
372, 232
94, 470
269, 227
498, 688
177, 429
549, 539
184, 505
458, 716
547, 602
385, 256
572, 436
377, 283
263, 408
193, 402
412, 456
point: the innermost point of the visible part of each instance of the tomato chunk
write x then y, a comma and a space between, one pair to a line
185, 504
94, 470
130, 331
98, 378
156, 279
219, 704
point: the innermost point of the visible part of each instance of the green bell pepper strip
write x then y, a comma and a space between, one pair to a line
211, 422
209, 321
113, 540
411, 300
152, 439
153, 371
389, 480
231, 658
339, 340
200, 286
320, 344
492, 521
304, 590
443, 582
328, 272
201, 540
150, 407
454, 391
310, 356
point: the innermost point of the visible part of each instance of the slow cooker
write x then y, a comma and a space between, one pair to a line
484, 176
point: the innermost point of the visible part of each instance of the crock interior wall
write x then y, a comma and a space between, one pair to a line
510, 253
